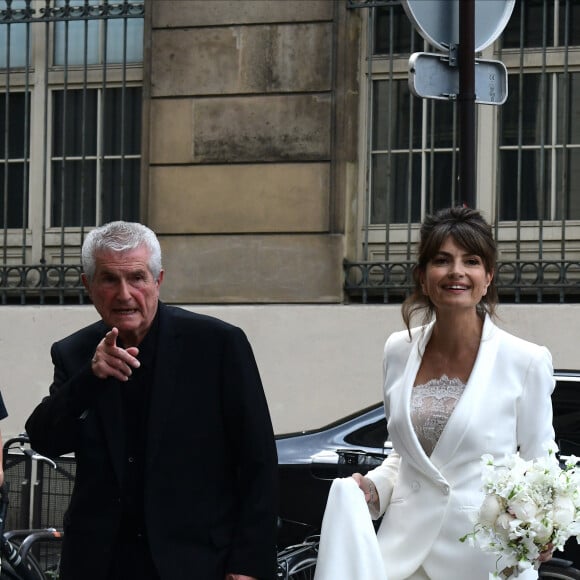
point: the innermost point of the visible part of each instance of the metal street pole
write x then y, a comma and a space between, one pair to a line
466, 101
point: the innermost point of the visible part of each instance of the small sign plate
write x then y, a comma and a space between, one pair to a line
431, 77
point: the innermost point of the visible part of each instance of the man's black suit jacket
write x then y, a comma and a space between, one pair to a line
211, 466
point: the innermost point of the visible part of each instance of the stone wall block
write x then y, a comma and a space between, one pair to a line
171, 131
238, 60
252, 268
239, 198
240, 129
302, 57
178, 13
276, 128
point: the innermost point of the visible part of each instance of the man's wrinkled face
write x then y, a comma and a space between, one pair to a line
124, 292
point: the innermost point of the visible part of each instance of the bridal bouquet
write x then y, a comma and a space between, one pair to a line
529, 507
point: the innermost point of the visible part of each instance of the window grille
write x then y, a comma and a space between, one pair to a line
528, 155
70, 136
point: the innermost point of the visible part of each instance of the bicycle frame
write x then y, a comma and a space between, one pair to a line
20, 567
17, 560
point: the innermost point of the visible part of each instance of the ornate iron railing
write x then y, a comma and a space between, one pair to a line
41, 284
517, 281
65, 11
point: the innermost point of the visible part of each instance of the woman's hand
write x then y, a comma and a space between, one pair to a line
368, 488
547, 554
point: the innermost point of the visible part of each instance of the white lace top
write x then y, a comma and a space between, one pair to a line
431, 407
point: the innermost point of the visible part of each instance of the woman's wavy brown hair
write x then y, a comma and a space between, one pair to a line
470, 230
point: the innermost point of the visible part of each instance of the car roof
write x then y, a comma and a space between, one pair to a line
561, 375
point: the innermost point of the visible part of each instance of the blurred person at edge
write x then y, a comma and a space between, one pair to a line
164, 409
3, 415
455, 388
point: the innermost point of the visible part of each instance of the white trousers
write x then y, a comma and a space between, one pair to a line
349, 548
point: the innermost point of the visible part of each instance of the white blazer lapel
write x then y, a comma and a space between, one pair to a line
408, 443
472, 398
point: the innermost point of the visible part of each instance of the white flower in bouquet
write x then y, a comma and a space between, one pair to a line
529, 507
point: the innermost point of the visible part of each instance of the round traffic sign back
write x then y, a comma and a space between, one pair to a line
438, 20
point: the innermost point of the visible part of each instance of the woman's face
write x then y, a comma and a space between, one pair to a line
455, 278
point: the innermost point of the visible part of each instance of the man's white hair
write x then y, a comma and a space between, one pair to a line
120, 236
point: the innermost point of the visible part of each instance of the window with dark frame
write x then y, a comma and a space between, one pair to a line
14, 159
541, 161
94, 127
95, 156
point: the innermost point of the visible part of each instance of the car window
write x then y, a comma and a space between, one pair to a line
566, 407
372, 435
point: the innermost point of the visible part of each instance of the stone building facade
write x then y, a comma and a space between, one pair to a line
249, 156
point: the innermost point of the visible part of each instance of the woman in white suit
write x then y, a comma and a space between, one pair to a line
455, 388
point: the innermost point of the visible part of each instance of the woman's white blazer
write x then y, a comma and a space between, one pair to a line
429, 502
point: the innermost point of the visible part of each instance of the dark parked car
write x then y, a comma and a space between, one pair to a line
310, 460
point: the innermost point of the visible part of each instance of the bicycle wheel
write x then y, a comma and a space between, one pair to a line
558, 572
29, 569
8, 574
298, 562
303, 569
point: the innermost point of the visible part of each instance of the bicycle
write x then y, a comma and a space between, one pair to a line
19, 546
559, 569
298, 562
16, 559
